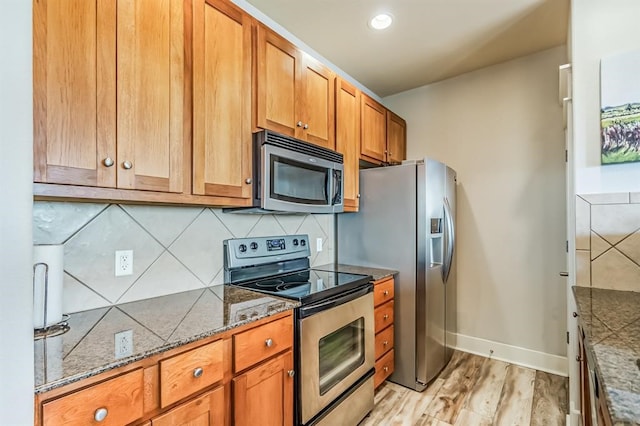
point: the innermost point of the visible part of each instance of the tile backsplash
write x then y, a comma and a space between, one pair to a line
608, 241
174, 248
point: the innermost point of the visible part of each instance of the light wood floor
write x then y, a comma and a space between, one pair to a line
473, 390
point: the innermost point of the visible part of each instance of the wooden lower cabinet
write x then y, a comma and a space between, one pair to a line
264, 395
383, 291
586, 405
206, 410
193, 385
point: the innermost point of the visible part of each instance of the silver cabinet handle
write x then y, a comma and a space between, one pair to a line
127, 165
268, 343
306, 126
299, 124
108, 162
291, 373
247, 181
386, 292
100, 414
198, 372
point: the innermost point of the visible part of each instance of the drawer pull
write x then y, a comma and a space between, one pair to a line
385, 317
198, 372
386, 292
291, 373
268, 343
385, 368
100, 414
385, 343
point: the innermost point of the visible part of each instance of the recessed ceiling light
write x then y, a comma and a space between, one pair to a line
380, 22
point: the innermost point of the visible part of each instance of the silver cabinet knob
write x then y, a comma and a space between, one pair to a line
247, 181
268, 343
306, 126
385, 317
358, 195
291, 373
198, 372
578, 358
127, 165
100, 414
385, 151
108, 162
299, 124
385, 343
385, 368
386, 292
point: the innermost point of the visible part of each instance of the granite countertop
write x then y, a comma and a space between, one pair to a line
376, 273
158, 324
611, 322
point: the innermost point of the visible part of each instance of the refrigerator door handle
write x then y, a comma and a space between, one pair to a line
450, 241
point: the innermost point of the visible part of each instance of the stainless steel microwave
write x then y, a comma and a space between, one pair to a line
294, 176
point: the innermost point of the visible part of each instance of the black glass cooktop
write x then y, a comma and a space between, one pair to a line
309, 285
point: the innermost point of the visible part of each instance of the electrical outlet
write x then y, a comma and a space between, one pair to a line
124, 343
124, 262
319, 244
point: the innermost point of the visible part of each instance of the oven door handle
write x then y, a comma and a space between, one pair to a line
307, 311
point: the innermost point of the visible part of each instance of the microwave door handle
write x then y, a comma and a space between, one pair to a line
336, 187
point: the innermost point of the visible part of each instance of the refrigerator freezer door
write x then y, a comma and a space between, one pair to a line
430, 291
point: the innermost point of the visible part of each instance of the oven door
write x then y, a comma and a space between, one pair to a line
336, 348
293, 181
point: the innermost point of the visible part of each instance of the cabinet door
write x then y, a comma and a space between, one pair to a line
348, 139
278, 69
264, 395
396, 138
221, 100
206, 410
374, 131
74, 94
315, 105
150, 95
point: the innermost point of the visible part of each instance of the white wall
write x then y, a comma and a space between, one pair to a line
16, 341
501, 129
599, 29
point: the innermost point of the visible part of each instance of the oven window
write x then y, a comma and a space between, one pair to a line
341, 352
298, 182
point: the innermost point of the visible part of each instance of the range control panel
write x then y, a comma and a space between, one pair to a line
241, 252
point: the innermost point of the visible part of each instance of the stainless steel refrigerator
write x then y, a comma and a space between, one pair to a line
406, 222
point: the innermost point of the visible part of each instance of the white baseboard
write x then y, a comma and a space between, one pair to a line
512, 354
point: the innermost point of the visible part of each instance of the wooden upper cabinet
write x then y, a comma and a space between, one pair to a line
374, 131
109, 93
316, 105
150, 85
294, 92
74, 60
348, 139
396, 138
222, 163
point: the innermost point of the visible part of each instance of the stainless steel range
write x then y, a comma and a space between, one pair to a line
334, 330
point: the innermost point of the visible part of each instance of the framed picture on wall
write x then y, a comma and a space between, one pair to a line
620, 108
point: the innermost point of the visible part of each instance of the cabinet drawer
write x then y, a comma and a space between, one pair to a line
384, 368
189, 372
383, 292
118, 400
260, 343
383, 316
384, 341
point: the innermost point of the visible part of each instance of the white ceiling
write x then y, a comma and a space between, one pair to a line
430, 40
